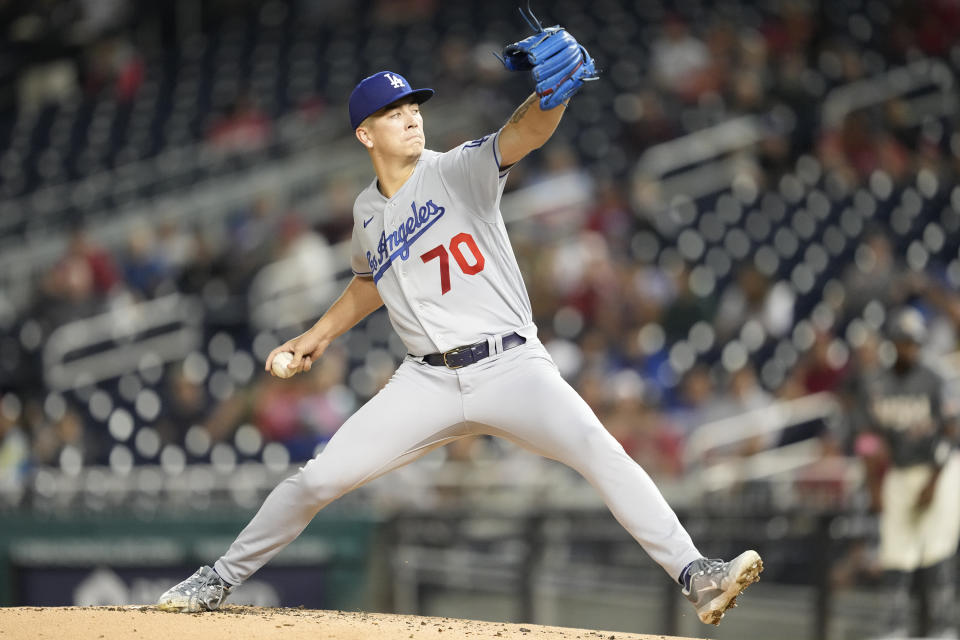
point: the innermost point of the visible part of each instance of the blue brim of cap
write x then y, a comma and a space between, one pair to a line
420, 95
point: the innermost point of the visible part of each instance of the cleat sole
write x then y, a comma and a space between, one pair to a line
747, 575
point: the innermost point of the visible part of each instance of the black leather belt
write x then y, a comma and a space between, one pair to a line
470, 353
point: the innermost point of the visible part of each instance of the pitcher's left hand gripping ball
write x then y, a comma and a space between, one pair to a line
559, 64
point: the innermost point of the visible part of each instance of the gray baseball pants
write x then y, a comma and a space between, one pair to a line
518, 395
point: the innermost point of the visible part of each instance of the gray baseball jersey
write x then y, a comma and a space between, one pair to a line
439, 252
906, 410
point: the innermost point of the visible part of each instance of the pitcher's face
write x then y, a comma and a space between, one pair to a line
396, 130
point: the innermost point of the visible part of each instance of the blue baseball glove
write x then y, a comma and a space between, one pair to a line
559, 64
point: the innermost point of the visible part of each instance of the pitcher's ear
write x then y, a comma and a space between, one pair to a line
364, 137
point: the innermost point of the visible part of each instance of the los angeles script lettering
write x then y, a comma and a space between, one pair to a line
397, 243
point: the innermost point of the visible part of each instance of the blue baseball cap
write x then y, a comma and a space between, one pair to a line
379, 90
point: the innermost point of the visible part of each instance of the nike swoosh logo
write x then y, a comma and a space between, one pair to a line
366, 222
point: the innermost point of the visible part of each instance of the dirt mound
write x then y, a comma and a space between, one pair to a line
234, 623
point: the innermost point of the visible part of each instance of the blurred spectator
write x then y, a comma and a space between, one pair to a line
943, 320
14, 445
680, 60
275, 407
304, 268
697, 403
99, 17
752, 298
931, 25
611, 216
597, 351
144, 268
328, 402
43, 84
300, 412
652, 289
175, 246
791, 29
858, 149
337, 223
748, 93
650, 361
686, 309
76, 285
745, 393
648, 119
115, 62
825, 367
874, 275
397, 12
69, 290
96, 259
582, 274
251, 242
185, 402
206, 264
243, 128
51, 436
300, 243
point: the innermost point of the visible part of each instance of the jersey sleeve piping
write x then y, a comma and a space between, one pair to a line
496, 149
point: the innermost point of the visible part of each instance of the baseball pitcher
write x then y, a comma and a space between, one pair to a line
430, 244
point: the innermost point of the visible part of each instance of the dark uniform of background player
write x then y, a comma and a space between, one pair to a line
917, 496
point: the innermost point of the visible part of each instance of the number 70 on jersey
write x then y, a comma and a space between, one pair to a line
456, 248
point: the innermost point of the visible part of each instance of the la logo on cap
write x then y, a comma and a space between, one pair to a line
395, 82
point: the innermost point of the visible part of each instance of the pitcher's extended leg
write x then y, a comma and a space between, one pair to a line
417, 411
528, 402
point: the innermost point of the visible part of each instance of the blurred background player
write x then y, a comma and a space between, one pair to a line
917, 497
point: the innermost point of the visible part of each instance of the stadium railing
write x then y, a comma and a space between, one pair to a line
927, 86
106, 346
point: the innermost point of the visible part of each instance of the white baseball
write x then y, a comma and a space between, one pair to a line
280, 362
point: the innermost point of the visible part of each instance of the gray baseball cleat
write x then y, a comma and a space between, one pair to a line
713, 585
203, 591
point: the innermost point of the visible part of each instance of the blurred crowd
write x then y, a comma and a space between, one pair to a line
611, 310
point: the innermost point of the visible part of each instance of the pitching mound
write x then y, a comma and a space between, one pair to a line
115, 623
